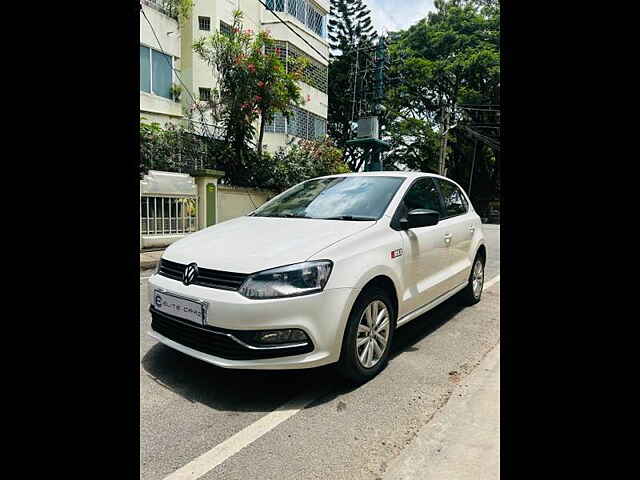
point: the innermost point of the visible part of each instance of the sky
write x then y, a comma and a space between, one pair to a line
397, 14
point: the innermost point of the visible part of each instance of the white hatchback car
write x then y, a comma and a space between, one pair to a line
323, 273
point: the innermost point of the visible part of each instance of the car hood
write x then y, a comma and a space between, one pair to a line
250, 244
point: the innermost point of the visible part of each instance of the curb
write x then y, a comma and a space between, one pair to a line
150, 259
147, 264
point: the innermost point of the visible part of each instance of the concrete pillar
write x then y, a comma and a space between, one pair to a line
207, 187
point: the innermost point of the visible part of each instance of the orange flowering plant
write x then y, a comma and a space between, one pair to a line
252, 83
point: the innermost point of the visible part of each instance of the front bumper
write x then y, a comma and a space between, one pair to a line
322, 316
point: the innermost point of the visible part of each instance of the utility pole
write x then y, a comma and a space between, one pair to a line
443, 130
473, 163
442, 170
369, 124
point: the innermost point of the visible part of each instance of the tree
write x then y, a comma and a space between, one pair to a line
179, 9
251, 84
450, 58
302, 161
349, 29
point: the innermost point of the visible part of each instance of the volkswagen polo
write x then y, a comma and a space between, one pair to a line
323, 273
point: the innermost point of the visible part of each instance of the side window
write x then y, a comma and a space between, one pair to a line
423, 194
453, 198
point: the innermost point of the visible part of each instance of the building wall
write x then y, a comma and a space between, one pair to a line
178, 40
235, 202
196, 73
154, 108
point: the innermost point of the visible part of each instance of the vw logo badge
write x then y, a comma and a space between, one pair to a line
190, 274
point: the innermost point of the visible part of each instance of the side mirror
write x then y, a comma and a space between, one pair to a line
420, 217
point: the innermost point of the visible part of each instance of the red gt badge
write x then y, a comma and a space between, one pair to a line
396, 253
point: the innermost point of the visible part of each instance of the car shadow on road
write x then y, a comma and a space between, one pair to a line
264, 390
409, 335
229, 389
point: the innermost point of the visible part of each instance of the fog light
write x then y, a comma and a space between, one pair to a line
291, 335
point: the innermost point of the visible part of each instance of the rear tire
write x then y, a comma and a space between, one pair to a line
472, 293
360, 359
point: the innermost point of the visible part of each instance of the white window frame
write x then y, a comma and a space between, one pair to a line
173, 71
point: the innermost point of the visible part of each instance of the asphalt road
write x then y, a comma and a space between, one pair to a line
188, 407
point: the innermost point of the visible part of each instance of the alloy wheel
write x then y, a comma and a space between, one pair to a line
477, 278
373, 334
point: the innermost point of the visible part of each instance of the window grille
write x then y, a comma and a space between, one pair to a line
278, 125
225, 28
276, 5
205, 94
302, 123
315, 75
315, 20
303, 10
204, 23
278, 48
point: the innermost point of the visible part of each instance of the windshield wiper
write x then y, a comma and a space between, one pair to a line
283, 215
357, 218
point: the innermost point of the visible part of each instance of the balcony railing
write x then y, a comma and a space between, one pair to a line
305, 11
168, 7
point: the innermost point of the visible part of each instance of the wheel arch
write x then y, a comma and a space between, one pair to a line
386, 283
482, 251
379, 279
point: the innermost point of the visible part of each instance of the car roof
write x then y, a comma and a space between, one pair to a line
388, 173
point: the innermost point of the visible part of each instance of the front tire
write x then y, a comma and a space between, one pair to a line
473, 291
368, 336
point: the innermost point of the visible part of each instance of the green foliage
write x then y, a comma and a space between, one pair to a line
450, 58
179, 9
252, 85
303, 161
175, 149
349, 28
349, 24
176, 91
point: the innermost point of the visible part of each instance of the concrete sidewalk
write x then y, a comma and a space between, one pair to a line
150, 259
462, 440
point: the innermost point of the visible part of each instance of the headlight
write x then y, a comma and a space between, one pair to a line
289, 281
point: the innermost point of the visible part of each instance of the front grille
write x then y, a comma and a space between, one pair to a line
206, 277
213, 341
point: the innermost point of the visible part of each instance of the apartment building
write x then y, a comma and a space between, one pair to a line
158, 102
308, 18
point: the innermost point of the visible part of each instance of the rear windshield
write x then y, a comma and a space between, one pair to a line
335, 198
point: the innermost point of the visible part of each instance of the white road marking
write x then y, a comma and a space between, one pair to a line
232, 445
491, 282
245, 437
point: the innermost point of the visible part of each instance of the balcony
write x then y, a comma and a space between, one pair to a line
305, 12
168, 7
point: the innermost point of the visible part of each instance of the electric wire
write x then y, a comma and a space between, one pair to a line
295, 33
176, 72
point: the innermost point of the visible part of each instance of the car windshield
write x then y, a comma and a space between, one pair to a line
335, 198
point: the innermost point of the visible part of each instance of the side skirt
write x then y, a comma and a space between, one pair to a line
425, 308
